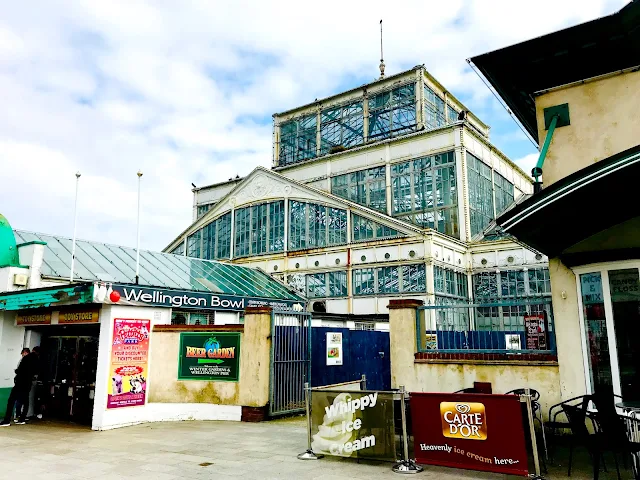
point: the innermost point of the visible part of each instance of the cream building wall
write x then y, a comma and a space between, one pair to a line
604, 121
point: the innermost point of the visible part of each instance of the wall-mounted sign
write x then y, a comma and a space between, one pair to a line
86, 316
475, 431
128, 369
146, 296
535, 331
513, 341
334, 348
431, 341
33, 319
212, 356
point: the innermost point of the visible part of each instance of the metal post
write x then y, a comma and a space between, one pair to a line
75, 222
532, 432
308, 455
406, 465
363, 382
138, 232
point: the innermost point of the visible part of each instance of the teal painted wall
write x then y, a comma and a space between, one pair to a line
4, 396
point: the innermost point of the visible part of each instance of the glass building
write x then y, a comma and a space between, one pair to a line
386, 191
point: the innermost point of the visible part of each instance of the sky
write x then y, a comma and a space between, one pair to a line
185, 91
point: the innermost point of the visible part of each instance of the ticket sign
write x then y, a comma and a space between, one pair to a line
475, 431
34, 319
91, 316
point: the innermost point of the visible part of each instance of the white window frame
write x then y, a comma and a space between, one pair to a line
603, 270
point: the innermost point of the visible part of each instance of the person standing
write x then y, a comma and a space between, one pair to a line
25, 351
22, 386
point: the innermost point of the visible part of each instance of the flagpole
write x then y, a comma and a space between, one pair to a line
138, 235
75, 223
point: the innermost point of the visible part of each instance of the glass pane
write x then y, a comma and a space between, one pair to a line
596, 330
625, 302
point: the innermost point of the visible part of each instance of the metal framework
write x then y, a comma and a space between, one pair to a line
290, 361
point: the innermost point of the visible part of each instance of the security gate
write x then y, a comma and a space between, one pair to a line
290, 361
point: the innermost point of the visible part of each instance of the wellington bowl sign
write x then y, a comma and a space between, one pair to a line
119, 294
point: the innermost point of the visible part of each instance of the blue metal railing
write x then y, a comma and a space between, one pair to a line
517, 326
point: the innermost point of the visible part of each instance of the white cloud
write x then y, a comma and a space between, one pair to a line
527, 162
185, 91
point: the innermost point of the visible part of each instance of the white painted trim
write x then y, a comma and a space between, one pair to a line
175, 412
566, 190
611, 333
583, 337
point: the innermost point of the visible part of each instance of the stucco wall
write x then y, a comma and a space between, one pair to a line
166, 388
604, 121
567, 325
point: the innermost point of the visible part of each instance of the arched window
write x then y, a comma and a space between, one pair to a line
313, 226
259, 229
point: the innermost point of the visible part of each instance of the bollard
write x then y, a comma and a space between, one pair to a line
308, 455
363, 382
532, 432
406, 466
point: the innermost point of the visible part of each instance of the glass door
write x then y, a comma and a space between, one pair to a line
610, 314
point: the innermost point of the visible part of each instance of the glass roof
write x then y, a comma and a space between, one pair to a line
112, 263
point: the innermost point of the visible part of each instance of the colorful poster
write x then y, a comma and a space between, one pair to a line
474, 431
128, 369
212, 356
535, 332
334, 348
431, 341
353, 424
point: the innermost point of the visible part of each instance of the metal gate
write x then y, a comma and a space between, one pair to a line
290, 361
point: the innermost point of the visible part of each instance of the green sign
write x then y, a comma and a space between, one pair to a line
209, 356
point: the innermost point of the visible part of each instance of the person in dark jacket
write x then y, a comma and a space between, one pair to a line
22, 386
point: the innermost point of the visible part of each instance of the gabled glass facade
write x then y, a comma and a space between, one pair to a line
216, 238
425, 192
259, 229
313, 225
365, 187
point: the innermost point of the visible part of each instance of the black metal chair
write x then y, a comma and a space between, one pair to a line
557, 422
536, 411
593, 442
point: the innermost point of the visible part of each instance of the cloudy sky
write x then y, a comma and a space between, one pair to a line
184, 90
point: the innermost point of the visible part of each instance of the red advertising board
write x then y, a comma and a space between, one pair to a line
472, 431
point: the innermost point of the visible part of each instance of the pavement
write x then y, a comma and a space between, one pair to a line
195, 450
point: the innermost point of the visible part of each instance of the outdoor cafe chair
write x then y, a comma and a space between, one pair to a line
536, 411
557, 422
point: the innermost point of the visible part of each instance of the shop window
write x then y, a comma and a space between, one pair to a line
389, 280
425, 192
392, 113
259, 229
366, 229
314, 226
365, 187
341, 127
298, 140
187, 317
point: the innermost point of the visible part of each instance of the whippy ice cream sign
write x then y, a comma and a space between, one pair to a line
353, 424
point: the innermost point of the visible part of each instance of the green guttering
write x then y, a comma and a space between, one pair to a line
81, 293
537, 170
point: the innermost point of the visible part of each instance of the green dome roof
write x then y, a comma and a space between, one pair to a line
8, 251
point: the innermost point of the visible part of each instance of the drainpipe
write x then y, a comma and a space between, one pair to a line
537, 170
556, 116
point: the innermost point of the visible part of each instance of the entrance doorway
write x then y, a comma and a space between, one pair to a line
66, 383
610, 314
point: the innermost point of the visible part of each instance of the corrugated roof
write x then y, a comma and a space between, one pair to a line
112, 263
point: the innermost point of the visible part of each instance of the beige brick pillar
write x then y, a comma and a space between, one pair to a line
255, 364
402, 336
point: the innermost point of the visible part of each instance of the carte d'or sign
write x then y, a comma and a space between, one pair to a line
463, 420
478, 431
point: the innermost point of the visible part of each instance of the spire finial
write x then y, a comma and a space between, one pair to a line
381, 54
